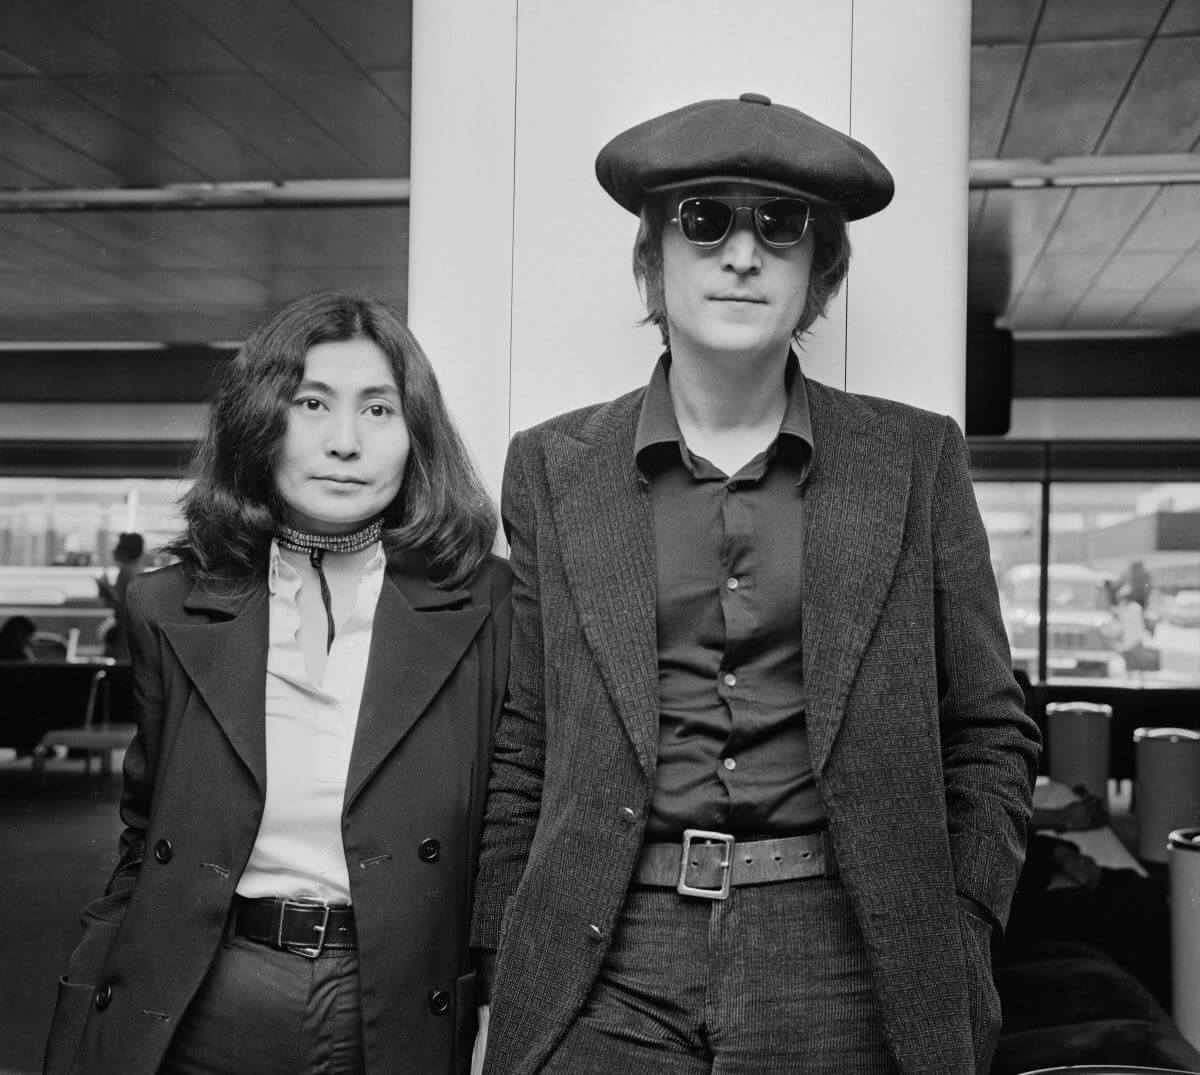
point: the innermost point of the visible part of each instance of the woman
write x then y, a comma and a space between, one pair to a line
316, 684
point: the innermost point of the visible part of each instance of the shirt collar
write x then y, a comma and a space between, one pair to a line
657, 424
281, 573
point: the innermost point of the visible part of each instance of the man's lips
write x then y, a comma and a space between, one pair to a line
738, 296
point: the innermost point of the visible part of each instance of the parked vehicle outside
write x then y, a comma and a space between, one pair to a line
1084, 630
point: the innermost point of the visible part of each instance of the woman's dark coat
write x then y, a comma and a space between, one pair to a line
193, 800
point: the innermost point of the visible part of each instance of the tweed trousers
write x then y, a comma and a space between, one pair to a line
774, 979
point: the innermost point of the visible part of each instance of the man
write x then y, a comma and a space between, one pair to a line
759, 797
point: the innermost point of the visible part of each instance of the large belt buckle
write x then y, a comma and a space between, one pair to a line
302, 904
691, 836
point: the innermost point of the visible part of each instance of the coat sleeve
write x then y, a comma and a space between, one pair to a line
519, 752
102, 917
989, 746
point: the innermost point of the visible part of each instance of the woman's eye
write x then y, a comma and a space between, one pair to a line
309, 403
379, 410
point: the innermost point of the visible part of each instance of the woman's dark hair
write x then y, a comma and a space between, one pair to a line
831, 260
233, 509
15, 636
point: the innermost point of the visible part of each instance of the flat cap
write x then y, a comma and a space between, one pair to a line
749, 139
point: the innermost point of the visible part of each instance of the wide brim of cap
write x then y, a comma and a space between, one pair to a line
744, 141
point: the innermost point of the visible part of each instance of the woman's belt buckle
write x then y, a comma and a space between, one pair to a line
306, 906
691, 836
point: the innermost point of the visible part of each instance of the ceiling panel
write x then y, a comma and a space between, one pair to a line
1183, 18
44, 154
1099, 20
47, 37
995, 70
270, 36
1186, 274
1170, 223
372, 33
1160, 114
155, 37
57, 111
1067, 96
1167, 310
1004, 23
1096, 218
1102, 311
1135, 272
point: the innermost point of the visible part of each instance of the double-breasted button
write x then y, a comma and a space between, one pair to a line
439, 1001
428, 850
163, 851
103, 996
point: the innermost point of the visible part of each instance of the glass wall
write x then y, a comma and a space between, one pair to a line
56, 541
1121, 593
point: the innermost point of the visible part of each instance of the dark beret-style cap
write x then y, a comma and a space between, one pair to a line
747, 140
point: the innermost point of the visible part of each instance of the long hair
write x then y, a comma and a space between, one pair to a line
233, 509
831, 261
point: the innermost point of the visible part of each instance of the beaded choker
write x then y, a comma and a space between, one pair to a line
302, 541
317, 545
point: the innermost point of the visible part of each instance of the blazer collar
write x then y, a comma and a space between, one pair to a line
856, 502
601, 508
419, 635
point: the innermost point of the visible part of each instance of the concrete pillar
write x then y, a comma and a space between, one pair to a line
520, 284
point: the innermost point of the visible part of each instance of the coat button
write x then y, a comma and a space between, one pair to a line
439, 1001
163, 851
428, 850
628, 814
103, 996
595, 933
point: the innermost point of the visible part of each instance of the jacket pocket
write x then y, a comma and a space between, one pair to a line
71, 1009
466, 1019
982, 997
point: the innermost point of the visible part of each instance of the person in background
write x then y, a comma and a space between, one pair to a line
16, 639
316, 684
128, 555
759, 798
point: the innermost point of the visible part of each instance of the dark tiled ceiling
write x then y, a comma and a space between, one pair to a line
119, 93
1107, 78
125, 93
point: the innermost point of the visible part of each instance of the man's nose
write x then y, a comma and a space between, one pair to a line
741, 251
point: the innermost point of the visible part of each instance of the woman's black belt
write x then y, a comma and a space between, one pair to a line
303, 926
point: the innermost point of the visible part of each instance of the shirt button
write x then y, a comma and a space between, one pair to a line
731, 583
729, 679
729, 763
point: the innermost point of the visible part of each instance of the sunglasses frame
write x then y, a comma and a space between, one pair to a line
758, 202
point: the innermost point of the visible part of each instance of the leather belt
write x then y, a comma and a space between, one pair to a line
303, 926
708, 864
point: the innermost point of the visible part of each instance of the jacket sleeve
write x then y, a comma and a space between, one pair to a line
518, 753
101, 919
989, 746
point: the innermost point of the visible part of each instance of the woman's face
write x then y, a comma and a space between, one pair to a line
343, 457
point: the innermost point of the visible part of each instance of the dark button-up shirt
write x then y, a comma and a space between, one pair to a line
733, 751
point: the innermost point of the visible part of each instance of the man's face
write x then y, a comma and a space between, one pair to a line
741, 296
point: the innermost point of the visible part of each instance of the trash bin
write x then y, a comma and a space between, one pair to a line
1167, 791
1077, 735
1183, 869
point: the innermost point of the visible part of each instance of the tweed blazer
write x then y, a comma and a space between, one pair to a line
925, 759
194, 783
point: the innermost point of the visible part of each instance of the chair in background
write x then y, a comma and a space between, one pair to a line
95, 738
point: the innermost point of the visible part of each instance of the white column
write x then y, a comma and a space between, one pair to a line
526, 301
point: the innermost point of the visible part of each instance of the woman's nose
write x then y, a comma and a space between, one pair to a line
342, 438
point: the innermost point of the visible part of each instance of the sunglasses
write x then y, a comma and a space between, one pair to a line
707, 222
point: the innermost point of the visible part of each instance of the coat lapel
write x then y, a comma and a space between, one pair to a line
419, 636
604, 523
226, 660
855, 505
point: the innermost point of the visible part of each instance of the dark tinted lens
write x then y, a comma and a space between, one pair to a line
704, 220
782, 221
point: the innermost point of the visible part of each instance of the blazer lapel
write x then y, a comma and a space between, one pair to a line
226, 660
855, 504
605, 530
419, 635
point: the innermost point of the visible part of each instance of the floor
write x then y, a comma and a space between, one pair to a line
59, 844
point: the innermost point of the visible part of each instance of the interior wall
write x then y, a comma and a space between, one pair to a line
520, 283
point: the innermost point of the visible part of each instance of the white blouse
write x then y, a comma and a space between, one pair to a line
310, 731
